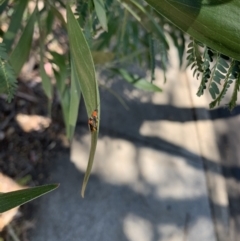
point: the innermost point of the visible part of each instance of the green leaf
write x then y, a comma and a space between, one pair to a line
100, 57
59, 16
85, 73
233, 102
22, 49
15, 24
62, 72
145, 85
65, 103
46, 81
13, 199
74, 101
101, 13
82, 58
49, 21
214, 23
150, 24
8, 82
3, 6
139, 83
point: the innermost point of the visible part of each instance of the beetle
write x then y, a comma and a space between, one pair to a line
93, 121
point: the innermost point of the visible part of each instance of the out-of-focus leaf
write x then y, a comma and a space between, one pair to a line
145, 85
15, 24
8, 82
85, 73
22, 49
46, 81
136, 81
101, 13
3, 5
59, 16
2, 1
49, 22
117, 96
214, 23
100, 57
150, 24
62, 72
13, 199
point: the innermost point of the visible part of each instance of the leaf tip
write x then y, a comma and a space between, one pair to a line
83, 192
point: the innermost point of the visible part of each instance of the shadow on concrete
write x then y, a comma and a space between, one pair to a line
108, 209
181, 114
111, 124
191, 158
228, 144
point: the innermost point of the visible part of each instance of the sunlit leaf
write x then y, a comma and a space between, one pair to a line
15, 24
13, 199
214, 23
101, 13
136, 81
21, 51
85, 73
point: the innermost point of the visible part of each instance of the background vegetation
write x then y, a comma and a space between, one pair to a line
109, 35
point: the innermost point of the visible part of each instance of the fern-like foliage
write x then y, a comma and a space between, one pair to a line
227, 82
217, 70
207, 58
236, 73
194, 57
8, 83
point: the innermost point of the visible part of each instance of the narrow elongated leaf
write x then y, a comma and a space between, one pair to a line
63, 89
22, 49
94, 136
46, 82
59, 16
13, 199
151, 24
139, 83
65, 103
74, 101
100, 57
82, 58
15, 24
101, 13
145, 85
62, 72
215, 23
85, 73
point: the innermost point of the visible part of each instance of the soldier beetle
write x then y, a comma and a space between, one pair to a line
93, 121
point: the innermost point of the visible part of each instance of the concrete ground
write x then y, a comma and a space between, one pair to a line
156, 176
